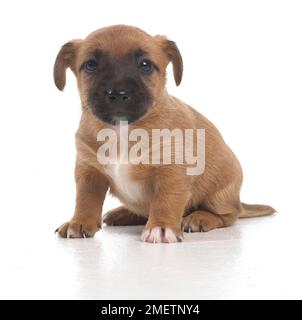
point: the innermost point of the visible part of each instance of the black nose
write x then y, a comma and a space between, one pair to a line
117, 95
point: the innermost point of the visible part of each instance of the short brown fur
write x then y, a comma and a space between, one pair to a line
173, 199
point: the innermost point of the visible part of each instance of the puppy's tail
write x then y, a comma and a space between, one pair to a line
255, 210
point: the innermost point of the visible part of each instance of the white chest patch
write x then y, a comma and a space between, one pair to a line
130, 191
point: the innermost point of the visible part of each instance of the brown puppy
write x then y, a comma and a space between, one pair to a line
121, 75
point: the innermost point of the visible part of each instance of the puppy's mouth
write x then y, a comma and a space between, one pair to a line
117, 117
115, 101
114, 117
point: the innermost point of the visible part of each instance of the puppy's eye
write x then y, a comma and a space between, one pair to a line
145, 66
91, 65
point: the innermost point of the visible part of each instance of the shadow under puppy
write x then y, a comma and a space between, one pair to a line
121, 75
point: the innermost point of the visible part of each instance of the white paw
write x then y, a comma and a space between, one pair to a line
160, 235
71, 234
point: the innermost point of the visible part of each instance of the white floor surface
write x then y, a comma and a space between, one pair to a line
257, 258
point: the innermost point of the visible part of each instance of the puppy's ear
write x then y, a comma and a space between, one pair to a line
174, 56
65, 59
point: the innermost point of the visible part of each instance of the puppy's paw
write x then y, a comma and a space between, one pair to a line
121, 216
201, 221
77, 229
160, 235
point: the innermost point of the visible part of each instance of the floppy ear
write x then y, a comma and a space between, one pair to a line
65, 59
174, 56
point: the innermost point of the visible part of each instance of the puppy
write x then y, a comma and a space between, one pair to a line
121, 75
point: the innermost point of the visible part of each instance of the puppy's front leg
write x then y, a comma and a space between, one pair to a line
91, 191
167, 207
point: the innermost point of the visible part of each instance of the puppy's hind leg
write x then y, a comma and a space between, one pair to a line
121, 216
201, 220
220, 210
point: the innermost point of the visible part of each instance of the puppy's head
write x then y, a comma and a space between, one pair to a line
120, 70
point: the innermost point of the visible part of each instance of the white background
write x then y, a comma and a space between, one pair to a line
242, 70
